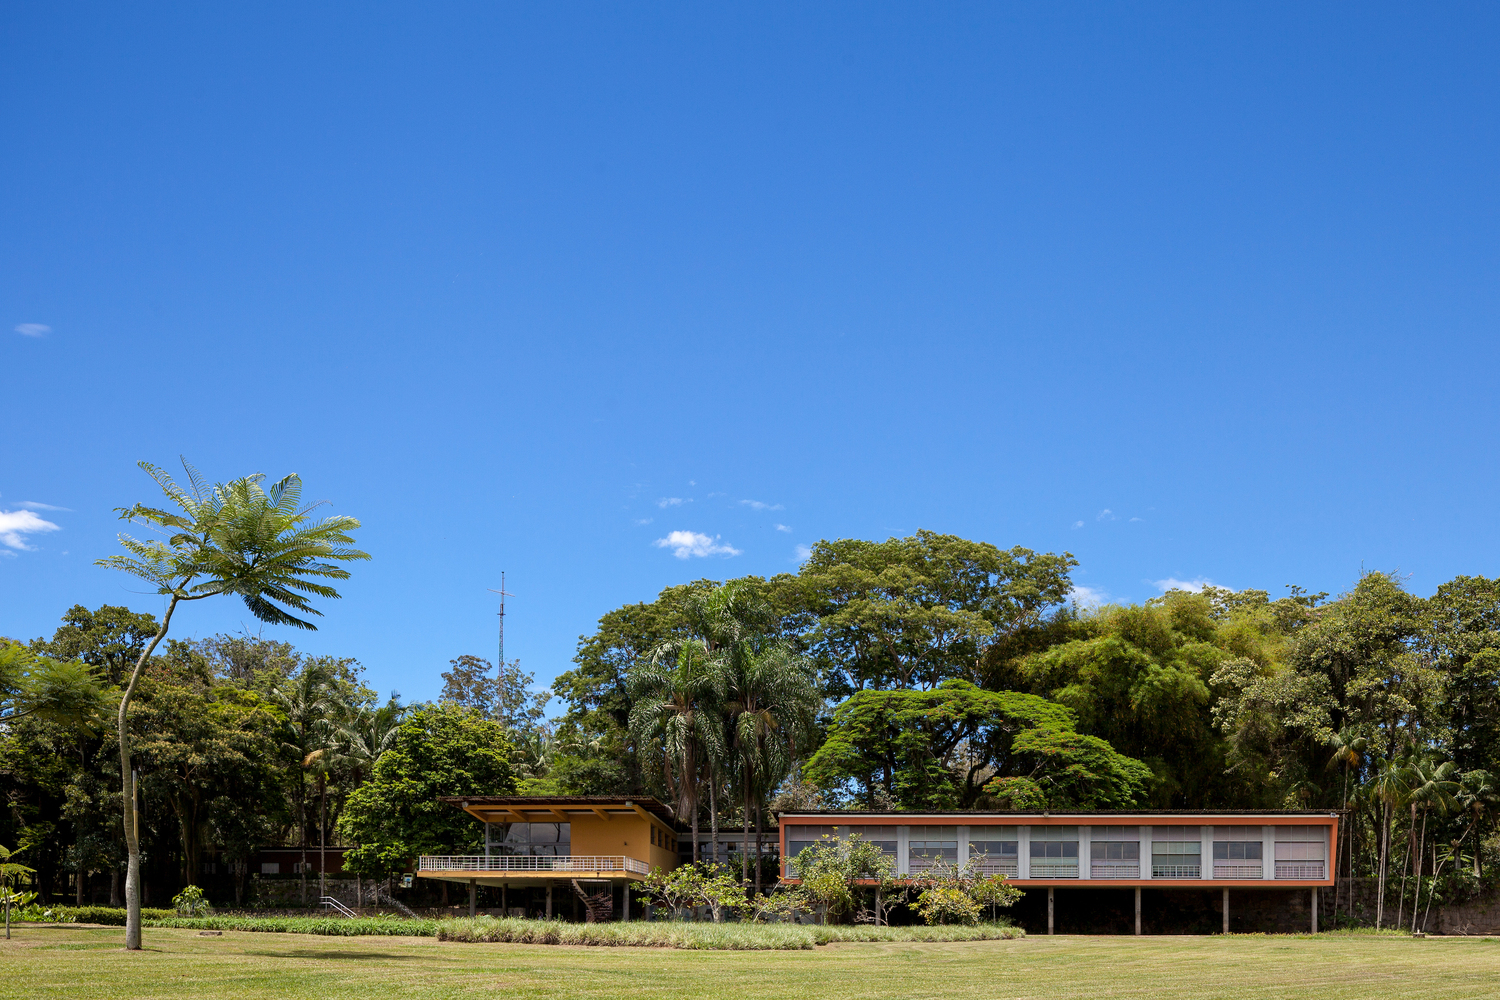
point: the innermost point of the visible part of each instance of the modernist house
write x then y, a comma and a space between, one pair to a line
604, 843
535, 844
1157, 850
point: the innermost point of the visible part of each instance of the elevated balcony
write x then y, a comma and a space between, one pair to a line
523, 866
1254, 870
1115, 869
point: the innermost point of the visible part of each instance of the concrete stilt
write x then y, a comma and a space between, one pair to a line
1049, 909
627, 901
549, 902
503, 911
1315, 911
1226, 909
472, 891
1137, 911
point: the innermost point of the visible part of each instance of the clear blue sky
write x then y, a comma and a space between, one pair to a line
1204, 291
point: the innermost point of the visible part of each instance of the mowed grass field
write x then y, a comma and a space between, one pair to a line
86, 963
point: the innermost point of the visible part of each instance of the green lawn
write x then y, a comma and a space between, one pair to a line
46, 962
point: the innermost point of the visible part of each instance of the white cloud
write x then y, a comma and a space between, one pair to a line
666, 502
16, 523
1191, 586
803, 553
1087, 597
782, 527
643, 520
1105, 515
1077, 524
757, 505
1134, 519
33, 505
33, 330
686, 544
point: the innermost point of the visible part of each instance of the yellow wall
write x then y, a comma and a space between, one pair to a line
627, 835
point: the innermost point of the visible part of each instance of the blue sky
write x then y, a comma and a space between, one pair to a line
1191, 291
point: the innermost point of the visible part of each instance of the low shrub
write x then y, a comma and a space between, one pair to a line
326, 926
705, 936
111, 915
637, 934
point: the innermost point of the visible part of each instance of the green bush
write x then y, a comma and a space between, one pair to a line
703, 936
326, 926
111, 915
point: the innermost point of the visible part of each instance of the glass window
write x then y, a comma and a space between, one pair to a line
534, 839
1176, 848
1237, 850
994, 848
1116, 850
1054, 849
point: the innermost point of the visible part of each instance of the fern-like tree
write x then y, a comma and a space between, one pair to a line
229, 539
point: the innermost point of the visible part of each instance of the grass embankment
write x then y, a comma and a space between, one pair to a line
65, 963
701, 936
658, 934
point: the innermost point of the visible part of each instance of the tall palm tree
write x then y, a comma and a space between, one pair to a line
675, 720
770, 701
1389, 788
236, 538
1348, 755
1479, 798
311, 706
1432, 789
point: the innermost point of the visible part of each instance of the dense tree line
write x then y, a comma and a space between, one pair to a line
928, 672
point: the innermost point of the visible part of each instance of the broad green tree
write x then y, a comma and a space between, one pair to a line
938, 749
396, 816
234, 539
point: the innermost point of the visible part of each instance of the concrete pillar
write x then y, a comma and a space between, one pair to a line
472, 892
549, 901
1268, 852
1137, 911
1315, 911
1023, 852
903, 850
1085, 851
626, 907
1226, 909
1049, 909
1206, 852
1145, 834
963, 846
503, 911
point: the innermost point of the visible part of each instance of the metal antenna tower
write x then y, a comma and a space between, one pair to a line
500, 669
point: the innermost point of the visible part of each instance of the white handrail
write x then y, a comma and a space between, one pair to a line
334, 904
533, 863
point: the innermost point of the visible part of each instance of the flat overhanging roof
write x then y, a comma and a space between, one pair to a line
560, 808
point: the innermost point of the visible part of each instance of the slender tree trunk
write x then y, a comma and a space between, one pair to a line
759, 823
1406, 868
1385, 850
713, 818
127, 785
1417, 894
745, 836
322, 837
302, 825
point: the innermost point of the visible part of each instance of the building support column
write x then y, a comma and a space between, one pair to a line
1226, 909
1137, 911
503, 911
627, 901
472, 891
1049, 909
549, 901
1315, 910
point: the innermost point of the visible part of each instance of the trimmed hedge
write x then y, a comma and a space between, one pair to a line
111, 915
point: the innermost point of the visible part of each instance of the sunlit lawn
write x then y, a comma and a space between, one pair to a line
44, 962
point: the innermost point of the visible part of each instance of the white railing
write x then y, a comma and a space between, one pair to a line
994, 866
526, 863
1238, 871
334, 904
1053, 869
1176, 871
1103, 869
1299, 869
